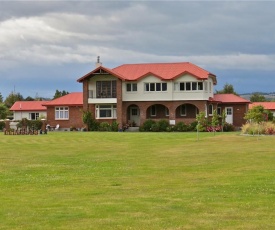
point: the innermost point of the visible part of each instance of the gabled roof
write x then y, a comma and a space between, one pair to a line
164, 71
71, 99
266, 105
229, 98
28, 106
100, 70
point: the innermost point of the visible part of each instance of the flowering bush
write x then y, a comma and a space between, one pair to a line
214, 128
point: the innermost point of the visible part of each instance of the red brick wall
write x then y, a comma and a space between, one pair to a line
75, 118
119, 102
239, 111
85, 94
171, 105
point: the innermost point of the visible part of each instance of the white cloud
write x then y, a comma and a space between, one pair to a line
214, 35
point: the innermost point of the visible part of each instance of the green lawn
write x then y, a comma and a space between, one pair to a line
93, 180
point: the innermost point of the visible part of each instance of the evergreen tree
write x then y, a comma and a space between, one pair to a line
1, 98
257, 97
3, 111
227, 89
60, 93
12, 98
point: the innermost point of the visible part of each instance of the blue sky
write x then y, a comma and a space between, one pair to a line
48, 45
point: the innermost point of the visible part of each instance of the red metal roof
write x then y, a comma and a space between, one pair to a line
71, 99
266, 105
28, 106
229, 98
165, 71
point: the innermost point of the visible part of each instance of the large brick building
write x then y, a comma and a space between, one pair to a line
133, 93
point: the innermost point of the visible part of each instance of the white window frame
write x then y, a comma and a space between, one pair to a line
133, 87
106, 107
36, 115
191, 85
62, 113
210, 110
153, 86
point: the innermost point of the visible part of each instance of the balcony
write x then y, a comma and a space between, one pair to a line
101, 97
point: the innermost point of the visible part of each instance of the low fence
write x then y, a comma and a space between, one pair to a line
21, 132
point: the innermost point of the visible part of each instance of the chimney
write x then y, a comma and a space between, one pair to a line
98, 63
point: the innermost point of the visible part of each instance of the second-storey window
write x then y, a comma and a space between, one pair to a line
188, 86
106, 89
131, 87
62, 113
155, 86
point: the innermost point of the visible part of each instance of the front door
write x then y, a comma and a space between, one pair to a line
229, 115
134, 115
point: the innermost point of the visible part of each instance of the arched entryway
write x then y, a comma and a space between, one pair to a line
157, 111
133, 115
186, 112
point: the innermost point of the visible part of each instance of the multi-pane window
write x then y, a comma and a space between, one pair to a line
188, 86
156, 86
131, 87
61, 113
106, 89
106, 111
33, 116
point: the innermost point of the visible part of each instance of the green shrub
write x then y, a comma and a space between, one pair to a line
105, 126
2, 125
114, 126
155, 127
163, 125
147, 125
228, 127
180, 127
193, 127
35, 124
31, 124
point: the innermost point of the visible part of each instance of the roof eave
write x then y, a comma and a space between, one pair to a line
90, 74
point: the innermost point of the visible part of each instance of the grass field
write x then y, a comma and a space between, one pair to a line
93, 180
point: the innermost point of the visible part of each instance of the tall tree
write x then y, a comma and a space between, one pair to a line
3, 111
257, 97
227, 89
1, 98
13, 97
60, 93
29, 98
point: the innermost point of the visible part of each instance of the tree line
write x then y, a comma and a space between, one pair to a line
6, 104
